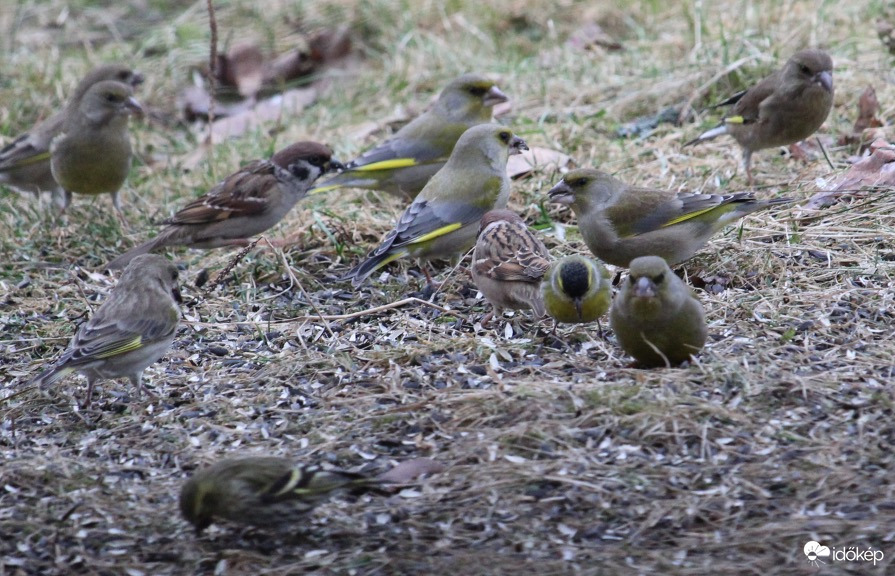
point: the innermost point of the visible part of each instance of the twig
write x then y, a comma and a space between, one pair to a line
212, 71
824, 150
230, 266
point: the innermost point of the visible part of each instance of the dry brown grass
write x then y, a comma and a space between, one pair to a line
559, 458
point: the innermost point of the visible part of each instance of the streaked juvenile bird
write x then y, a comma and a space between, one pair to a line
443, 220
25, 162
267, 492
403, 164
620, 222
92, 154
655, 316
576, 290
782, 109
246, 203
132, 329
508, 264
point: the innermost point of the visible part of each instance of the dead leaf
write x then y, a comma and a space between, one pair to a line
886, 33
242, 68
410, 470
592, 35
868, 107
290, 102
870, 173
522, 164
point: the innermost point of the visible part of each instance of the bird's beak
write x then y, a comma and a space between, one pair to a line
494, 96
175, 293
133, 106
825, 79
517, 146
578, 307
137, 79
561, 194
644, 288
334, 166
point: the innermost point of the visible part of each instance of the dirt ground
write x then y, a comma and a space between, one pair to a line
558, 458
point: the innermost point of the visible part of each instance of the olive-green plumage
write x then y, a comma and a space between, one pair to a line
25, 162
92, 154
443, 220
576, 290
132, 329
267, 492
655, 316
508, 263
619, 222
783, 108
404, 164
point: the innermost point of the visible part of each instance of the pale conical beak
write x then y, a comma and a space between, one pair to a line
517, 146
561, 193
133, 106
644, 288
494, 96
825, 79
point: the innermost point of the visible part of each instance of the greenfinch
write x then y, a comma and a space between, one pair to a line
655, 316
619, 222
248, 202
92, 154
576, 290
267, 492
403, 164
508, 263
782, 109
25, 162
132, 329
443, 220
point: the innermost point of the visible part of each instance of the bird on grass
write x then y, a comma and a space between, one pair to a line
266, 492
508, 264
782, 109
25, 162
92, 154
246, 203
132, 329
655, 316
443, 220
620, 222
404, 163
576, 290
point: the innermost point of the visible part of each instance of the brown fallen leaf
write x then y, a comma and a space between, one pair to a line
868, 107
410, 470
535, 157
864, 177
290, 102
242, 67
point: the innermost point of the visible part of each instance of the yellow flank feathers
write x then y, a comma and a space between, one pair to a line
133, 344
387, 165
689, 215
436, 233
734, 120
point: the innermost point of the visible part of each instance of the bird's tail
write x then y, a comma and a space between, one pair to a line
708, 135
371, 264
144, 248
52, 375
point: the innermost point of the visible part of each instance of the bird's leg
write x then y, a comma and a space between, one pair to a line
119, 213
91, 380
797, 152
747, 164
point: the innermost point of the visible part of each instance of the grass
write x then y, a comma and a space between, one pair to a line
559, 457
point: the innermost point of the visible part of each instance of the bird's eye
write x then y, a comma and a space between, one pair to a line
804, 69
477, 90
505, 137
110, 97
658, 279
124, 76
577, 182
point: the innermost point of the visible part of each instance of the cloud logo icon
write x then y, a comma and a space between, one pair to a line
815, 551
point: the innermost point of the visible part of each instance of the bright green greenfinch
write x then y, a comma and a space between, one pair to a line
248, 202
267, 492
443, 219
655, 316
782, 109
25, 162
576, 290
404, 164
619, 222
132, 329
508, 263
92, 154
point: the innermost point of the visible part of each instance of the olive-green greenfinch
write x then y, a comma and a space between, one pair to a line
508, 263
267, 492
782, 109
246, 203
576, 290
132, 329
619, 222
404, 163
655, 316
92, 154
25, 162
443, 220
